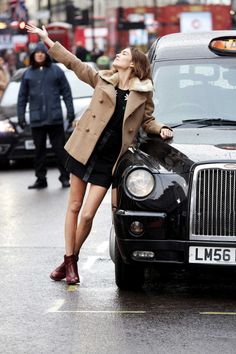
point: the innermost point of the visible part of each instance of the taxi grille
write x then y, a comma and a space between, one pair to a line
213, 201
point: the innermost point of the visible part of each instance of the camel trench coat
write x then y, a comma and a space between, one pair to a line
138, 112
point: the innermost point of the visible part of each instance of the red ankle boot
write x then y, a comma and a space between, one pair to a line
72, 276
59, 273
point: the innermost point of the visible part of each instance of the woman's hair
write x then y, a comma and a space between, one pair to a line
141, 63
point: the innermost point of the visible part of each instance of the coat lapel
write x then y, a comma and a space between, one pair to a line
110, 92
135, 100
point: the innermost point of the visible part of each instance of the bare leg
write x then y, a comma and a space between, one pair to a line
76, 196
93, 200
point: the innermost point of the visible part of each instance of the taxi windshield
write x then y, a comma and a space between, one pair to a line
194, 90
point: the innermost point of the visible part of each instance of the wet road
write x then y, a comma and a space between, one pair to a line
184, 313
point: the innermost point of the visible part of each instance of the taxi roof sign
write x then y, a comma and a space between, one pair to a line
223, 45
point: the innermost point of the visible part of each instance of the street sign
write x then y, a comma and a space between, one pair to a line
125, 25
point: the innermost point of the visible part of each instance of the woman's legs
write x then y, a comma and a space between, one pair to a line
76, 196
68, 268
91, 204
76, 235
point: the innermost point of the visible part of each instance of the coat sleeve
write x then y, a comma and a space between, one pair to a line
84, 71
149, 123
22, 99
65, 91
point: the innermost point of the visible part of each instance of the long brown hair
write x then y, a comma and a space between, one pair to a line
141, 63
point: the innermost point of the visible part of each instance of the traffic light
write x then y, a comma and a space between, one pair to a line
84, 18
75, 16
124, 25
21, 27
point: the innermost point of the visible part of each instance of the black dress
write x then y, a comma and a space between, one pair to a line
98, 169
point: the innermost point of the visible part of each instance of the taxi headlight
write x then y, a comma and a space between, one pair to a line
6, 127
140, 183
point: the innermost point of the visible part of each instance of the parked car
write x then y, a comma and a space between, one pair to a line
15, 143
175, 204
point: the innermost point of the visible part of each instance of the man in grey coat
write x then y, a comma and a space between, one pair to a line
42, 86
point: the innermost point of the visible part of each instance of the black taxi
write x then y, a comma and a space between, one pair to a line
175, 201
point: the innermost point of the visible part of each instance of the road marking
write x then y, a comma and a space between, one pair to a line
57, 306
102, 247
218, 313
90, 262
102, 311
72, 287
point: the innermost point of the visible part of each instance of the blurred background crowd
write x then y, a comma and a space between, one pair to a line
96, 29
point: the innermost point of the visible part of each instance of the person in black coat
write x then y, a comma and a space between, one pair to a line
42, 86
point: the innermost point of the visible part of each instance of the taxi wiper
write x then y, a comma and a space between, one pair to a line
211, 121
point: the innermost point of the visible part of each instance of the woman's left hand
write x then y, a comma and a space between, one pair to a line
42, 33
166, 133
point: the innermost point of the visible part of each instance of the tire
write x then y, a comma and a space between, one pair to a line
127, 277
112, 242
4, 164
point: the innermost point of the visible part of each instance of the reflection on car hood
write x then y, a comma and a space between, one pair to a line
189, 146
8, 112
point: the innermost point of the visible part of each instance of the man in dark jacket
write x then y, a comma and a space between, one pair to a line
42, 86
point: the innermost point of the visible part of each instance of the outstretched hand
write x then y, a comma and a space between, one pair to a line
42, 33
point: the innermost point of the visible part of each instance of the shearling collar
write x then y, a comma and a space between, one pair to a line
135, 84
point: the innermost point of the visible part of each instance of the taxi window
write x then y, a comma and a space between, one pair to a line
195, 90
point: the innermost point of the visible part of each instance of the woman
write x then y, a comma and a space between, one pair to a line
121, 103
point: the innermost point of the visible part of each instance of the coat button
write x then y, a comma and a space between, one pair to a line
131, 130
93, 115
87, 130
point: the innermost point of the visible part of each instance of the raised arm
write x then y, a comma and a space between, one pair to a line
42, 33
84, 71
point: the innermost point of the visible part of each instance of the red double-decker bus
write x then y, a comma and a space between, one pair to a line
61, 32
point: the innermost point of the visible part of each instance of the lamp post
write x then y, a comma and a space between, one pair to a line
49, 11
92, 24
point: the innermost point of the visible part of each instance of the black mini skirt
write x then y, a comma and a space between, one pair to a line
98, 169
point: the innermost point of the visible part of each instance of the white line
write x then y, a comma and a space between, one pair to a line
90, 262
218, 313
102, 247
111, 312
57, 306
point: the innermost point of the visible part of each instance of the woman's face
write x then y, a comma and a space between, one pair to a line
123, 60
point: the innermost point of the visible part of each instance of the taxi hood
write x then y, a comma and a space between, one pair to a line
189, 146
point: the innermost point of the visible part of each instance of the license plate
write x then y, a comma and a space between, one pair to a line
29, 144
212, 255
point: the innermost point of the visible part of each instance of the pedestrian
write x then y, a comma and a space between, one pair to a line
42, 85
22, 58
4, 76
96, 53
121, 103
103, 62
81, 52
